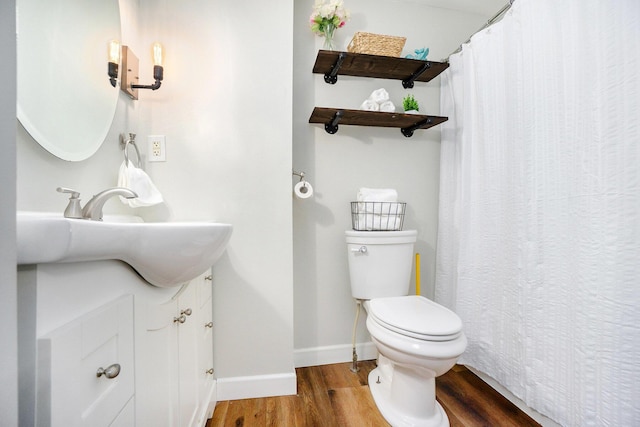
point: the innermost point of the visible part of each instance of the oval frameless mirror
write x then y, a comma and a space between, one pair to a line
65, 99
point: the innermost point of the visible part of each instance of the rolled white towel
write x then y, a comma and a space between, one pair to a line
377, 195
387, 107
369, 105
379, 96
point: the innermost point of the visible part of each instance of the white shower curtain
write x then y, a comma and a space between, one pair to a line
539, 229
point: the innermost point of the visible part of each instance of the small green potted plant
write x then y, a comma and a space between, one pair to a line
410, 105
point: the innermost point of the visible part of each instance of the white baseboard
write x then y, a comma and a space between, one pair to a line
316, 356
249, 387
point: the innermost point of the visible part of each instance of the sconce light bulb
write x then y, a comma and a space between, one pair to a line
114, 51
114, 61
158, 54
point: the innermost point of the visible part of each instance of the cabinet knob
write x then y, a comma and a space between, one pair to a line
209, 371
110, 372
208, 325
186, 311
209, 277
180, 319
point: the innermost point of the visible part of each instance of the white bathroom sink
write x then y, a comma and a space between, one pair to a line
165, 254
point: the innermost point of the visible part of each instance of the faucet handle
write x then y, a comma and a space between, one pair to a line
73, 209
74, 194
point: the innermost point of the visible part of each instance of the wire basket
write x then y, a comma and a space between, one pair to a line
376, 44
377, 216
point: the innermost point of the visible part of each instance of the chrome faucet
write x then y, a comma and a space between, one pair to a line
93, 209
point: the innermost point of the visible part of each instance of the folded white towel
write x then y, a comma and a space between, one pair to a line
381, 208
369, 105
138, 181
379, 96
374, 222
387, 107
377, 195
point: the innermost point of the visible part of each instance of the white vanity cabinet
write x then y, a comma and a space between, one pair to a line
78, 317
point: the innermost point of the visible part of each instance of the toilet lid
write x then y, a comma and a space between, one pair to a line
416, 316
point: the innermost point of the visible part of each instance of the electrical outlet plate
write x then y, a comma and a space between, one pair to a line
157, 148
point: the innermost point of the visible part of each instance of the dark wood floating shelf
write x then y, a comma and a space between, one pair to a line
333, 63
408, 123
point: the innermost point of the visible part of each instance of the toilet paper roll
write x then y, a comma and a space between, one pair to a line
303, 190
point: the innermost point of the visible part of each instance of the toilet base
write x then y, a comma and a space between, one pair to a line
380, 386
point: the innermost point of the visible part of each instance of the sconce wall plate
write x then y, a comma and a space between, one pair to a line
130, 75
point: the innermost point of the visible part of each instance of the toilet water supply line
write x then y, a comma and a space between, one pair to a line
417, 273
354, 364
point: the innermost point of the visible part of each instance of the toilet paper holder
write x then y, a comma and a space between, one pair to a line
300, 174
302, 190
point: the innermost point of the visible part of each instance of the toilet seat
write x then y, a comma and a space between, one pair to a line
415, 316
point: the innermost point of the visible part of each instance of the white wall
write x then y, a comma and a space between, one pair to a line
226, 115
8, 298
337, 165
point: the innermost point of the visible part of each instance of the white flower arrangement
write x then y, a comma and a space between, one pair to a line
327, 16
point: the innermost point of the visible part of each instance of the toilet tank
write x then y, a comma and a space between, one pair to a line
380, 262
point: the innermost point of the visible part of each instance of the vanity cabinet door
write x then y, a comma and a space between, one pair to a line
197, 383
157, 396
188, 344
85, 372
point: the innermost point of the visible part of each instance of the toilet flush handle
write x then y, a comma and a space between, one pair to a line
361, 249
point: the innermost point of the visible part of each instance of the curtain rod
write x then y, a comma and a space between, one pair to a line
493, 19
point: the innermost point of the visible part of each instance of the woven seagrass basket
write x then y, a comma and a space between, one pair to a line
376, 44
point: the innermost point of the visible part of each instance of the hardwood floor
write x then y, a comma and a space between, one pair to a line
331, 395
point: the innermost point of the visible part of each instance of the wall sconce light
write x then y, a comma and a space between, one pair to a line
157, 53
114, 60
130, 70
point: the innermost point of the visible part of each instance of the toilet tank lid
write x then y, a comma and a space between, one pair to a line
416, 315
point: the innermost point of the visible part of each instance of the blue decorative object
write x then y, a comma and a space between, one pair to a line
421, 54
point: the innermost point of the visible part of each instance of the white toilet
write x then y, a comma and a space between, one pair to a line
416, 338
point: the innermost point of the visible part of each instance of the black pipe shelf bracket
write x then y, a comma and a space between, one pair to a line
408, 131
332, 126
332, 76
408, 82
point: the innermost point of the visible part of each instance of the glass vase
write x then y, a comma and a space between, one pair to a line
329, 30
